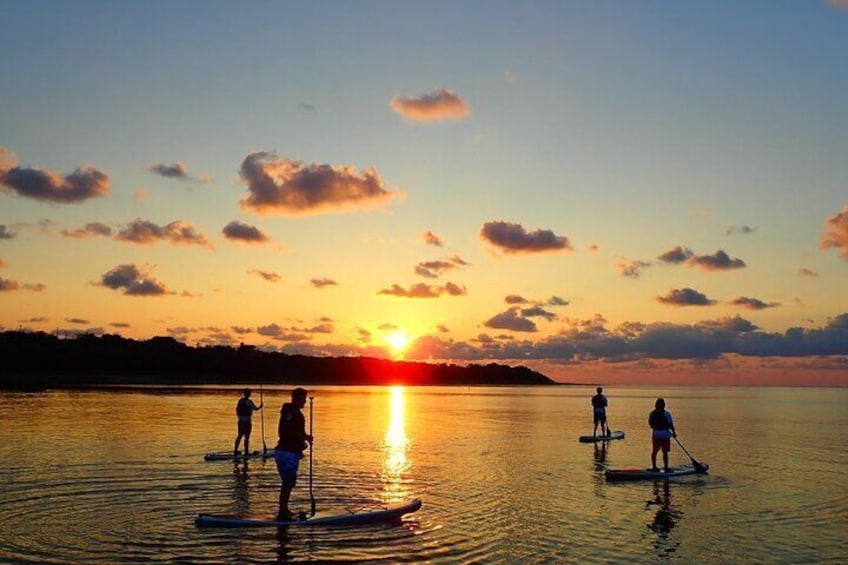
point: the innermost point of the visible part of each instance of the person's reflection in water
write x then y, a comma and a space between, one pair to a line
600, 456
241, 501
665, 519
283, 552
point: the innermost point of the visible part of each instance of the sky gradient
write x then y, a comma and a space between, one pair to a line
607, 192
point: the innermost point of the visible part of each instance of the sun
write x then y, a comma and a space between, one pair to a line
398, 342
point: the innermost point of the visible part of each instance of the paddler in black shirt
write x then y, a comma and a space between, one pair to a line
599, 413
289, 450
244, 411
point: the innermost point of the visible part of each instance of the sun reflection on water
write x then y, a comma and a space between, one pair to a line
395, 442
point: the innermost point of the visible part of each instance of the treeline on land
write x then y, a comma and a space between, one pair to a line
41, 360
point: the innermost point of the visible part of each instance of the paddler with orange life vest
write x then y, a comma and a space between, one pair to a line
244, 411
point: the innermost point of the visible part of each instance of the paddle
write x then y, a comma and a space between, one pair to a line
699, 468
311, 496
262, 404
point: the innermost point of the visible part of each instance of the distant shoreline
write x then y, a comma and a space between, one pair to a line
37, 360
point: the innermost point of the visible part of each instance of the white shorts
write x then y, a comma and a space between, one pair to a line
287, 464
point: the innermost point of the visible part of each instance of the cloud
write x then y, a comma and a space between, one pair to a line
177, 232
282, 186
718, 261
538, 311
735, 324
676, 255
441, 104
422, 290
591, 340
267, 275
322, 282
5, 233
685, 297
121, 325
243, 232
459, 261
434, 269
743, 230
753, 303
91, 229
631, 344
631, 268
513, 239
512, 320
281, 333
517, 299
805, 272
80, 321
177, 171
84, 183
452, 289
319, 329
431, 239
304, 107
8, 285
835, 234
133, 281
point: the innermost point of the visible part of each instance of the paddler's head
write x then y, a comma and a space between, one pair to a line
299, 397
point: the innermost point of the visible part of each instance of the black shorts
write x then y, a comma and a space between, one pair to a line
244, 427
600, 417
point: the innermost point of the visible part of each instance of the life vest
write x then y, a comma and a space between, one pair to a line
291, 429
658, 420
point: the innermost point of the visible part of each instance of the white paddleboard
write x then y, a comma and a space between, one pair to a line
613, 435
228, 455
649, 474
385, 513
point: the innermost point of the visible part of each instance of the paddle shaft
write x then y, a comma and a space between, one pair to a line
686, 451
311, 444
262, 404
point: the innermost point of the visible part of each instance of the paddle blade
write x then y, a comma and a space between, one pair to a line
700, 468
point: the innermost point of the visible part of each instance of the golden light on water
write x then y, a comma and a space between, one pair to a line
395, 463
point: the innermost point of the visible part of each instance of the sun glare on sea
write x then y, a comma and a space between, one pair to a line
398, 342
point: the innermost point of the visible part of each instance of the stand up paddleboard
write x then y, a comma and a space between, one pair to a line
648, 474
591, 439
228, 455
388, 513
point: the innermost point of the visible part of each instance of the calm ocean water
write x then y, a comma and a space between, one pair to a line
118, 477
